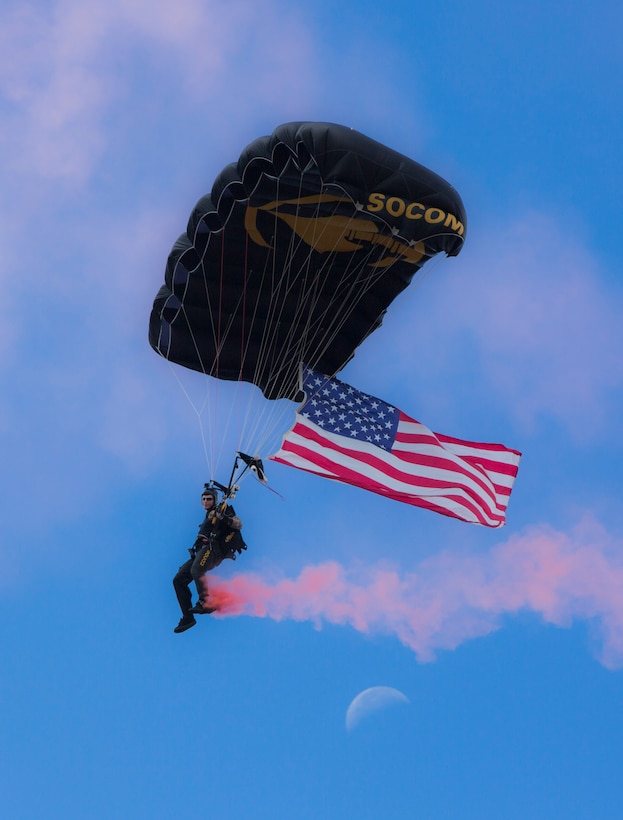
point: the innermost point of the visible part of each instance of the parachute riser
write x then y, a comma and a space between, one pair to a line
232, 488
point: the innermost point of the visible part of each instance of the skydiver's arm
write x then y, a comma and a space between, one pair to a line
231, 519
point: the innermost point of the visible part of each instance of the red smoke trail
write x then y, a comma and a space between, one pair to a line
452, 597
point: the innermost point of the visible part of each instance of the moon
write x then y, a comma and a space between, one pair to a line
372, 700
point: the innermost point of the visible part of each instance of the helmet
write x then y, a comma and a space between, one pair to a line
208, 490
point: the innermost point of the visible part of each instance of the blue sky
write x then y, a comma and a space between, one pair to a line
115, 117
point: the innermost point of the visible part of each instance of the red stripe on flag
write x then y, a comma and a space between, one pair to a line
467, 492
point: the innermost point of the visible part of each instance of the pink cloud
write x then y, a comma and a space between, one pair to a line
49, 72
453, 597
547, 324
62, 68
528, 311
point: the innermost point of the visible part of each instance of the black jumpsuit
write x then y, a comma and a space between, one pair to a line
216, 540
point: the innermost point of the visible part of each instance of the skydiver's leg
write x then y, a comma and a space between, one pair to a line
202, 589
198, 573
181, 583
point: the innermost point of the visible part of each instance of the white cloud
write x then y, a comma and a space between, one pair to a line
525, 318
131, 428
61, 68
548, 327
79, 271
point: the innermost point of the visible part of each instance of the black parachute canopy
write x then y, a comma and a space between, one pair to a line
296, 254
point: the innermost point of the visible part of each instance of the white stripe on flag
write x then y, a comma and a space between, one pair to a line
425, 473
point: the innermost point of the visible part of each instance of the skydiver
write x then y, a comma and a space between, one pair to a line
218, 538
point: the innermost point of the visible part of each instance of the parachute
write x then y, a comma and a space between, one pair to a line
296, 254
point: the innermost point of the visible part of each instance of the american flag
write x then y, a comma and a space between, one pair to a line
349, 436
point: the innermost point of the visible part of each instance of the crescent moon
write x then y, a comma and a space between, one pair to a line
372, 700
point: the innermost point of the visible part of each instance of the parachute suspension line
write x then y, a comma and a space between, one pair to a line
244, 434
244, 318
242, 426
271, 413
351, 279
319, 272
210, 400
357, 276
200, 409
333, 328
420, 276
217, 358
432, 264
297, 329
220, 302
299, 325
222, 425
298, 338
355, 272
297, 320
244, 303
267, 414
254, 409
220, 333
198, 412
338, 285
280, 290
347, 288
281, 286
